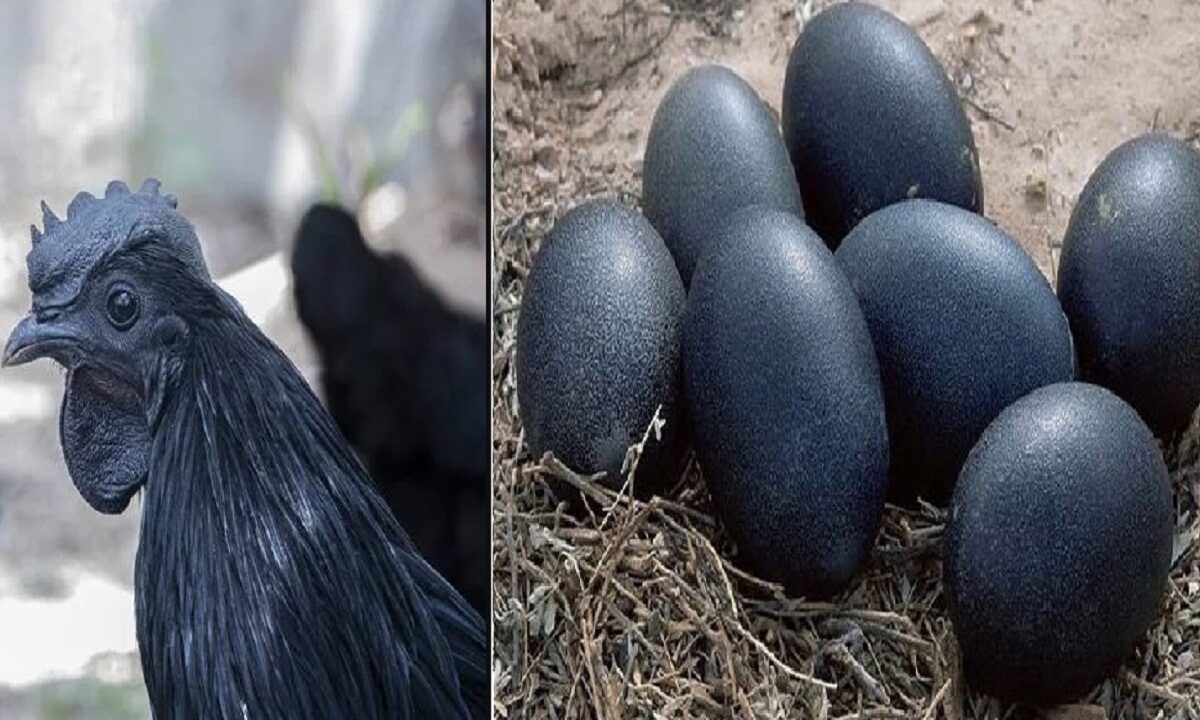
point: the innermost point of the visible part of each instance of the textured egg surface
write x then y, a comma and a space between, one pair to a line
1129, 278
713, 149
870, 118
963, 324
784, 396
598, 344
1058, 544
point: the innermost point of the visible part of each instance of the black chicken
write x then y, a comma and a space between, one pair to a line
406, 379
271, 581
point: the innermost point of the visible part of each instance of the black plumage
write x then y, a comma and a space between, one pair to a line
406, 378
271, 581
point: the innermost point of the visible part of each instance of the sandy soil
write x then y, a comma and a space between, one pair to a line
1051, 86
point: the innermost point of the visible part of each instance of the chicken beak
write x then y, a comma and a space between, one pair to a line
31, 340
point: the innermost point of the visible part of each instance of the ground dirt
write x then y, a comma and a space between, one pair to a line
587, 624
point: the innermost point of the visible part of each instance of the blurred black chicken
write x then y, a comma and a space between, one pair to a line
271, 581
406, 379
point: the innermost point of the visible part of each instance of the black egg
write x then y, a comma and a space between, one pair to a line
598, 344
1058, 544
963, 324
871, 119
1129, 279
783, 392
713, 149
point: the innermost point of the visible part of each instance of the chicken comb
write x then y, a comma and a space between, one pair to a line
65, 250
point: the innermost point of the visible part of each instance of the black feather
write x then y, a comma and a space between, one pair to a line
406, 378
271, 580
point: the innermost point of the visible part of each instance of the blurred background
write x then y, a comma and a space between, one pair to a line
248, 112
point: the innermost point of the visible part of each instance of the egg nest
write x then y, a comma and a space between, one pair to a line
637, 609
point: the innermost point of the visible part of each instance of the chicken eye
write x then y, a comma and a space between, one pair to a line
122, 308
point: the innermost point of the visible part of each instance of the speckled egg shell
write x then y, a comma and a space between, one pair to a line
783, 392
713, 148
1058, 544
871, 119
963, 324
598, 344
1129, 278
